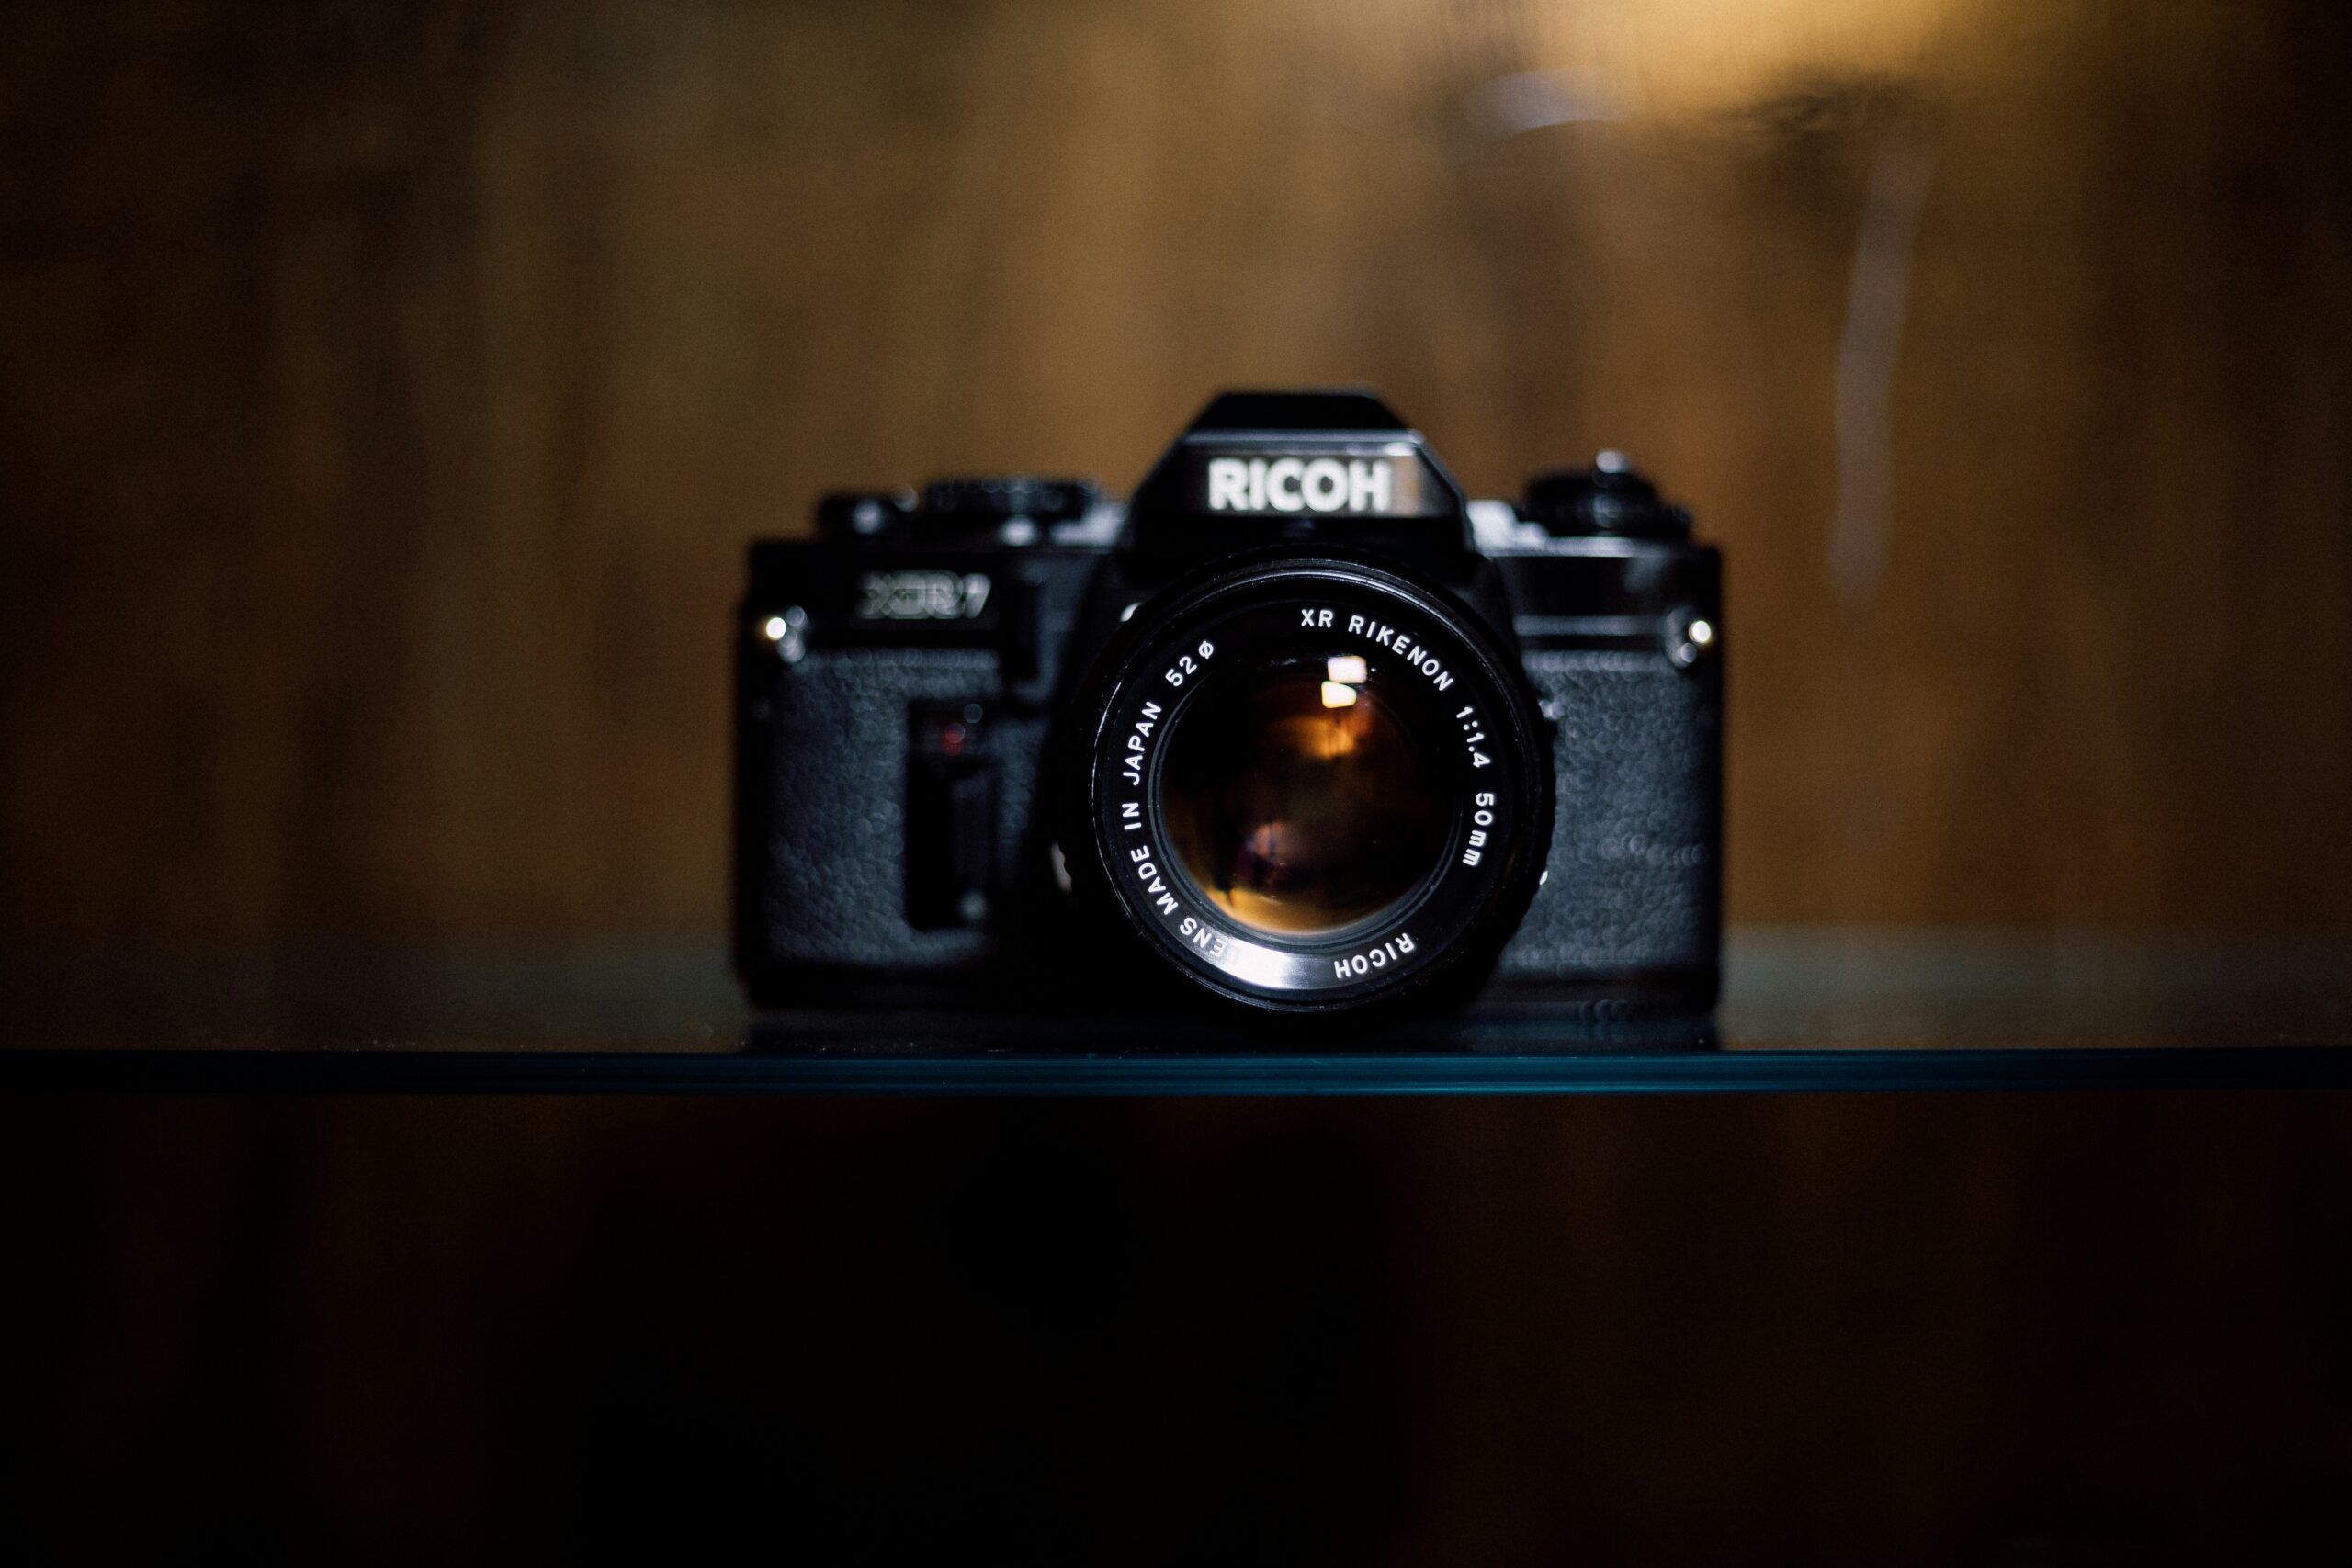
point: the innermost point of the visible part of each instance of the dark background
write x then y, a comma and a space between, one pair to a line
387, 392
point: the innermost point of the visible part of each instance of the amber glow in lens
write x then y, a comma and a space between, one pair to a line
1297, 803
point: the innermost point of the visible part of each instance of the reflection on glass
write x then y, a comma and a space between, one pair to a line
1298, 803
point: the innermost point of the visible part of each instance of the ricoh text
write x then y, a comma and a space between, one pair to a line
1302, 484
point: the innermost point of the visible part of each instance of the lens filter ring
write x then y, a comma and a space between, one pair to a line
1311, 782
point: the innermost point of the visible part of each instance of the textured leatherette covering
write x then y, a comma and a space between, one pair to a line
1633, 878
835, 889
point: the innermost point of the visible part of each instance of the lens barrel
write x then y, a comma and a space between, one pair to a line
1309, 783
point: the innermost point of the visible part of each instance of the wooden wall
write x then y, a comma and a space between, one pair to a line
387, 392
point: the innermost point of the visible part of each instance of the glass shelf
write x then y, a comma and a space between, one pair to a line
1805, 1012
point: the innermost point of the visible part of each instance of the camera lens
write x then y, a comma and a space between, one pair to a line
1308, 783
1297, 799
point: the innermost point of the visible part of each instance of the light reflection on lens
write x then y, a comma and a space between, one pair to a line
1299, 803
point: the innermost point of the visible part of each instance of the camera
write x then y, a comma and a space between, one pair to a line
1298, 731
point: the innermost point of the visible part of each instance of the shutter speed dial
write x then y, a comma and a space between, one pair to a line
1610, 497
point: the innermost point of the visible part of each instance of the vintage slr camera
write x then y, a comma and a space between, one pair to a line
1298, 730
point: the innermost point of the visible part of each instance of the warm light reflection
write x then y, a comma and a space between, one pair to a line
1338, 695
1575, 62
1349, 669
1677, 57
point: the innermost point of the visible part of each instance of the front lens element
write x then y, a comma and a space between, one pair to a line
1297, 799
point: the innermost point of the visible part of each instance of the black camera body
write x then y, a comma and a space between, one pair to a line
1299, 728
